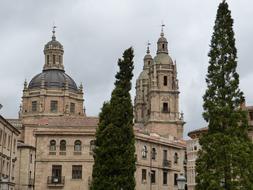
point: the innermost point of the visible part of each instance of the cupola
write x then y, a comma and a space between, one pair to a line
53, 52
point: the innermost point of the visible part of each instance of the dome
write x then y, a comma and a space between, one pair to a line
52, 79
162, 40
163, 59
143, 75
147, 56
53, 44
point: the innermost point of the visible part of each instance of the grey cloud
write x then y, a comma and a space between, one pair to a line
95, 33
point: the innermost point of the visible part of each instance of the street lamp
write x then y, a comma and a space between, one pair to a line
181, 182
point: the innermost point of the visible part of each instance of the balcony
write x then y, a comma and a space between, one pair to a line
55, 181
166, 163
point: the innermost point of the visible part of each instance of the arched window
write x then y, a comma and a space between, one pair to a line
176, 158
62, 145
153, 154
54, 59
78, 146
144, 151
52, 146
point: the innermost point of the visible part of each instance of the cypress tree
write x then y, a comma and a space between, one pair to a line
225, 161
114, 154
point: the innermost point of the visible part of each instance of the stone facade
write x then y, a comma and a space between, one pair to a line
57, 133
8, 154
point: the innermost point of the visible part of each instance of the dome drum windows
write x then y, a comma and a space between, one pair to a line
54, 106
34, 106
72, 107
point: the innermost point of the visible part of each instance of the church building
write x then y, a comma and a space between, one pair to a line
55, 147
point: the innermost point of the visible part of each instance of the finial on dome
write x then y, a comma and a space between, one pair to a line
53, 31
162, 26
148, 44
25, 84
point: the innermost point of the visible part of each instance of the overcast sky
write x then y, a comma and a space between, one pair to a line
95, 33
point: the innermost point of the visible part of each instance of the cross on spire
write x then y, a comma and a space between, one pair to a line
53, 31
162, 27
148, 44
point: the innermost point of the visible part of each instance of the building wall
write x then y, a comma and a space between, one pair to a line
45, 160
25, 167
8, 154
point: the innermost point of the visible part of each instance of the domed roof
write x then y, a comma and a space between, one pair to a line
52, 79
53, 44
163, 59
162, 39
143, 75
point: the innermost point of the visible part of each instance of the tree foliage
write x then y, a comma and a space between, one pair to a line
226, 159
114, 155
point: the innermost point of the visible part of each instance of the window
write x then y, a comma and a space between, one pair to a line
152, 176
165, 107
54, 59
56, 174
251, 115
60, 59
31, 158
175, 158
165, 80
77, 146
165, 155
48, 59
163, 46
175, 179
34, 106
14, 146
9, 142
1, 132
144, 175
72, 107
52, 146
165, 178
153, 154
54, 106
4, 140
76, 172
144, 151
62, 145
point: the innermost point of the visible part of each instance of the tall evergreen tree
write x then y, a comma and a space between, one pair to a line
114, 154
226, 159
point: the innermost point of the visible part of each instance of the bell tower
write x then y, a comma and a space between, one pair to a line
160, 104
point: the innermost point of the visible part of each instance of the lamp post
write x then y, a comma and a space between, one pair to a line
181, 182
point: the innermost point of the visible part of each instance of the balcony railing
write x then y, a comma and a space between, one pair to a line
55, 181
166, 163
